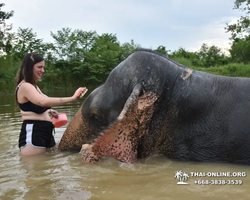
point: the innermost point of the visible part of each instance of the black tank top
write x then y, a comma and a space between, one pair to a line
29, 106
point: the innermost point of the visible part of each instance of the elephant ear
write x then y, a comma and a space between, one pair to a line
120, 140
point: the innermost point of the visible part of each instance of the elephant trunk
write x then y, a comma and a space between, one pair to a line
73, 137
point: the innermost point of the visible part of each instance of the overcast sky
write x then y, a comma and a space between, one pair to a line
150, 23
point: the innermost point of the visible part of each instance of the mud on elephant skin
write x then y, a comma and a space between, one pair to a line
151, 104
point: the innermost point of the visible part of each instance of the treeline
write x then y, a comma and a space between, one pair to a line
76, 57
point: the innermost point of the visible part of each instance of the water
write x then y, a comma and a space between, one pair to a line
62, 175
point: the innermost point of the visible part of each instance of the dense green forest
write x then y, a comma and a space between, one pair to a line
82, 58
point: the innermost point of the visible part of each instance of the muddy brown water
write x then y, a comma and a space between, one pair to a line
62, 175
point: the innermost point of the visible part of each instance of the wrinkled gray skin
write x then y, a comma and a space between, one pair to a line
152, 105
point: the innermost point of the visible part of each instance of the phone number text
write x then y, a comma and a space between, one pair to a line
218, 182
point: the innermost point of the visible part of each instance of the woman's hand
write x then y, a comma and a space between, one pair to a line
53, 113
78, 93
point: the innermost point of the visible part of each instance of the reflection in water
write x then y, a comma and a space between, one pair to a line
61, 175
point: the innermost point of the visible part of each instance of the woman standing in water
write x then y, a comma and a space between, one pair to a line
36, 131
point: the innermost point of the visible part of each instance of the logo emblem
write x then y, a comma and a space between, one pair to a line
182, 177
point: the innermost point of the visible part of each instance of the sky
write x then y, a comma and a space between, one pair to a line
150, 23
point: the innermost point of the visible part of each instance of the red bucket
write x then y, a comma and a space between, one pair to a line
60, 121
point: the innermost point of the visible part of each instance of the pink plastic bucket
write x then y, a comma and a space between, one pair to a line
60, 121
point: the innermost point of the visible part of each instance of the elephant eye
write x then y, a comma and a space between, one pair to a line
95, 117
98, 120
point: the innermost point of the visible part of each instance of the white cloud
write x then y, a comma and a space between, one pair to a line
171, 23
213, 33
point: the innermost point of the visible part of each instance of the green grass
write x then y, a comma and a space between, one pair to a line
233, 70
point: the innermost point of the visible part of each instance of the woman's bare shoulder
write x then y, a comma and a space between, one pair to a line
27, 87
26, 84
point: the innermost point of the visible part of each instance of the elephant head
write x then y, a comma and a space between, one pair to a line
102, 127
117, 114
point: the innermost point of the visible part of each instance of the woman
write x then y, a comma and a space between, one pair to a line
36, 132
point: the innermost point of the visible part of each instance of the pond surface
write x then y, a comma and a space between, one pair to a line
62, 175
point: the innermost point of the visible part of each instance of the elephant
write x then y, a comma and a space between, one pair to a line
153, 105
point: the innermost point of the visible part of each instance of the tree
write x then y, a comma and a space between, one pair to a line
162, 49
72, 45
106, 48
126, 49
211, 56
4, 29
25, 41
240, 50
102, 57
242, 27
240, 33
72, 48
184, 57
181, 52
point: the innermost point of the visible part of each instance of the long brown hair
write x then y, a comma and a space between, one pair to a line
25, 71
